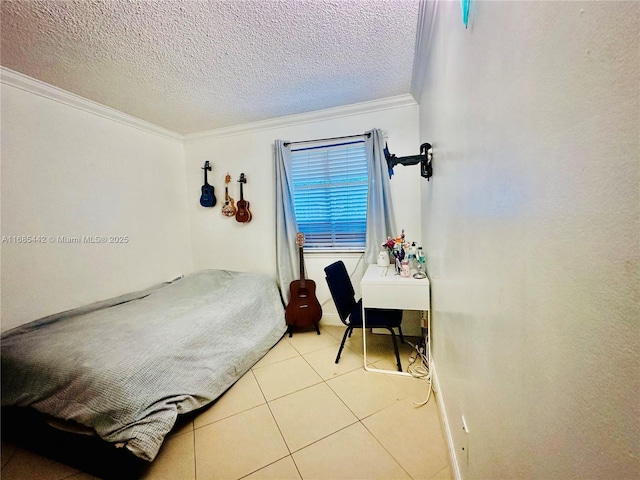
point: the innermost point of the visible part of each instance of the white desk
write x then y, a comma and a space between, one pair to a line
382, 288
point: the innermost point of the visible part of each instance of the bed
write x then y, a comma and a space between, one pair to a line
125, 368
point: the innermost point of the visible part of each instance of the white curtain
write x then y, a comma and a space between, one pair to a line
286, 224
380, 221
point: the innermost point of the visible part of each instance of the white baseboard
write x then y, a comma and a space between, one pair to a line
444, 421
331, 319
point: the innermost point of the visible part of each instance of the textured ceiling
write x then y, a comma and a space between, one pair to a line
196, 65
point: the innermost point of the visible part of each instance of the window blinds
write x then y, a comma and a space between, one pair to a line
330, 195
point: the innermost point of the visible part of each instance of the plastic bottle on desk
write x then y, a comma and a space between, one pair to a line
411, 256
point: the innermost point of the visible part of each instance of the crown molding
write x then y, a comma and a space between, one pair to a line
302, 118
37, 87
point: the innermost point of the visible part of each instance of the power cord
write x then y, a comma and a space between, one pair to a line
420, 369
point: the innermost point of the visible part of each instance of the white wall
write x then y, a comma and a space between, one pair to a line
531, 224
68, 172
222, 242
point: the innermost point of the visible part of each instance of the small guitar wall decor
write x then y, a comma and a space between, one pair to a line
303, 309
243, 215
207, 198
229, 207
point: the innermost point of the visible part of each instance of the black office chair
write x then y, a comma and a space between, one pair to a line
350, 311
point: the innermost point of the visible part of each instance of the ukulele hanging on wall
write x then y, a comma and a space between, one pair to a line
243, 215
229, 207
207, 198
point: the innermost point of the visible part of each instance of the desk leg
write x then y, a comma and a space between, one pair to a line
428, 313
364, 337
364, 347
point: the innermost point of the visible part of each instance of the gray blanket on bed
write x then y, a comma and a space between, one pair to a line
127, 367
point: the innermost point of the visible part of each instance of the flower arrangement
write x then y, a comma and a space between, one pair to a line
395, 247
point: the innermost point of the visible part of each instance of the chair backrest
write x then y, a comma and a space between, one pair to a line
341, 289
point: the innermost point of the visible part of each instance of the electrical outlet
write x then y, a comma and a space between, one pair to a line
424, 319
464, 444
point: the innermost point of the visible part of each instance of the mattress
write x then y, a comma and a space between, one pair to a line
127, 367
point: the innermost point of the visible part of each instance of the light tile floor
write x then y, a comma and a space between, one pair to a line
297, 415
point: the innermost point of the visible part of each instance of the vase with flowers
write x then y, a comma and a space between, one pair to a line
395, 248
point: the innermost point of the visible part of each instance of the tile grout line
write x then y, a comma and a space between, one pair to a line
277, 426
315, 384
195, 452
15, 449
385, 448
322, 380
360, 420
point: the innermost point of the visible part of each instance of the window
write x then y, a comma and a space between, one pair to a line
330, 195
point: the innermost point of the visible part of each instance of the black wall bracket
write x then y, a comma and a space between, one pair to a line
424, 159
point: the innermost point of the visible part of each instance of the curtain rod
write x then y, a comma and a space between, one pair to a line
286, 144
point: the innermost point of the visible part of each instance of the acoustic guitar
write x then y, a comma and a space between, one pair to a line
229, 207
303, 309
207, 198
243, 215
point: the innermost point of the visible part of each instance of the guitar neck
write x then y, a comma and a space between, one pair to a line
302, 279
242, 180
